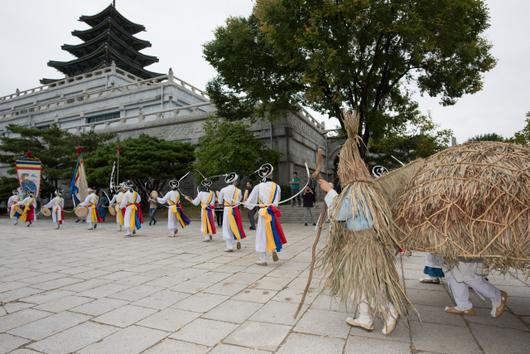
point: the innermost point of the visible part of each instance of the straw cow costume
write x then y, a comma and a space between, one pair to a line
175, 212
269, 234
230, 196
358, 259
206, 199
56, 207
471, 205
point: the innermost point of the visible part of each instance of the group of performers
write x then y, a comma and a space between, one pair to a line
21, 206
125, 205
359, 260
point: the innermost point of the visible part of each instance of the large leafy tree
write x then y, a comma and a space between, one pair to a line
56, 148
147, 161
421, 138
368, 55
231, 147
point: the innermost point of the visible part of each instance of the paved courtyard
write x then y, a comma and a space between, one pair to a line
75, 290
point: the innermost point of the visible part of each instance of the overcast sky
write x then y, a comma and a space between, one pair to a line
32, 32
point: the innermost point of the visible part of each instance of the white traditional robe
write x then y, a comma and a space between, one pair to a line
129, 203
116, 201
226, 196
90, 202
203, 199
171, 198
262, 193
56, 205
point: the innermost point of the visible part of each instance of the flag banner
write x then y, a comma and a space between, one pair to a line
78, 184
29, 174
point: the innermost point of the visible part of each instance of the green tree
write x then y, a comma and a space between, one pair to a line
147, 161
421, 139
366, 55
523, 136
231, 147
53, 146
7, 185
487, 137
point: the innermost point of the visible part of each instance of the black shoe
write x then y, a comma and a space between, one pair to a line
252, 228
305, 224
314, 224
95, 226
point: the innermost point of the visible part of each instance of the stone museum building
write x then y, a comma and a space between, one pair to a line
106, 88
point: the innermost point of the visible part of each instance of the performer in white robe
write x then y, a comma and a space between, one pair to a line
131, 202
230, 196
115, 203
91, 203
265, 194
12, 204
470, 274
56, 206
174, 211
206, 199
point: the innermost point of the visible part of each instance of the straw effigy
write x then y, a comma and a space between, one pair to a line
359, 265
470, 201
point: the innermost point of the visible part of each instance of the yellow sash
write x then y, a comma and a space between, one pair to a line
231, 218
206, 226
24, 213
134, 209
270, 244
173, 208
93, 213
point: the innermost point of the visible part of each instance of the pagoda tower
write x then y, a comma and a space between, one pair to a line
110, 39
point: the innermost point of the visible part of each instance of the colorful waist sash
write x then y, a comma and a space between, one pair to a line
275, 237
236, 224
134, 220
178, 211
208, 223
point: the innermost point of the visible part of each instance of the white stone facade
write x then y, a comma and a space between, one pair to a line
113, 100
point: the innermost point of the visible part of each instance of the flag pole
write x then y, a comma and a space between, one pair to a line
118, 164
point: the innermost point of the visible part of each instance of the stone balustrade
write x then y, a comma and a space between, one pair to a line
142, 117
85, 96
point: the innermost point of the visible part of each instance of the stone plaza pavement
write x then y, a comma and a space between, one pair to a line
75, 290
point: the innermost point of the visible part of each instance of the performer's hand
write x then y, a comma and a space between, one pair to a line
325, 185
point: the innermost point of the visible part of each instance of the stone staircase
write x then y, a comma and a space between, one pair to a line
295, 214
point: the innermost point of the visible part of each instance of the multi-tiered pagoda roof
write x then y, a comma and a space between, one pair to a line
110, 39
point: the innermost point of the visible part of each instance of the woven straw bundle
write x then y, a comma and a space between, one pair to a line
472, 201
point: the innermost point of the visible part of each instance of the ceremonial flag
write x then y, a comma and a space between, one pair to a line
78, 184
28, 174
